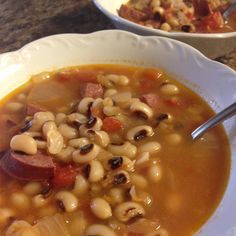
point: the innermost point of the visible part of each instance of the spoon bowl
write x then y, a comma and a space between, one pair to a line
218, 118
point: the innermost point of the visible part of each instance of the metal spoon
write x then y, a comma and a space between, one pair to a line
229, 10
219, 117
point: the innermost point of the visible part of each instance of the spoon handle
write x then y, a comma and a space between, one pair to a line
221, 116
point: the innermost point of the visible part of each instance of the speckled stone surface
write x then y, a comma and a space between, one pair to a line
22, 21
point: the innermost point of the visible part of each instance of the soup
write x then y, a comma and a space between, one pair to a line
200, 16
106, 150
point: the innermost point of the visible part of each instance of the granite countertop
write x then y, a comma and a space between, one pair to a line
25, 20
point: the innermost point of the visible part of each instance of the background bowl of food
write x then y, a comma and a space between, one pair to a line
198, 22
83, 142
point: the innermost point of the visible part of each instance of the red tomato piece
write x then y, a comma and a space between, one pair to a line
64, 176
213, 22
111, 125
148, 79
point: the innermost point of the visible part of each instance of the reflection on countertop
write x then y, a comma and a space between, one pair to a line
25, 20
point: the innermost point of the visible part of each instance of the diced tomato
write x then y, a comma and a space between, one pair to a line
148, 79
111, 125
212, 22
64, 176
81, 75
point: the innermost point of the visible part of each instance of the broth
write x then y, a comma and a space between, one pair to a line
136, 171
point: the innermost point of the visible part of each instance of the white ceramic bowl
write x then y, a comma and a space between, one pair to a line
212, 45
216, 83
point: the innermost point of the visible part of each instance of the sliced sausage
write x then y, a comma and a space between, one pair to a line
31, 109
131, 13
93, 90
151, 99
28, 167
202, 7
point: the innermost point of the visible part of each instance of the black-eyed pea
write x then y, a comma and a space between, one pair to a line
40, 118
6, 214
94, 123
20, 200
124, 149
14, 107
96, 171
141, 109
81, 186
139, 132
117, 195
166, 27
48, 126
111, 110
65, 155
142, 158
77, 118
78, 142
24, 143
109, 92
99, 230
85, 104
67, 131
138, 180
158, 11
32, 188
111, 80
169, 90
33, 134
99, 137
86, 153
127, 211
173, 22
55, 142
120, 178
41, 144
158, 232
60, 118
154, 173
164, 118
121, 98
155, 3
173, 139
151, 147
98, 103
107, 102
103, 155
67, 201
128, 164
95, 189
39, 201
101, 208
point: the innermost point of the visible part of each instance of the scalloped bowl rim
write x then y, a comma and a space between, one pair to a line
117, 18
12, 62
